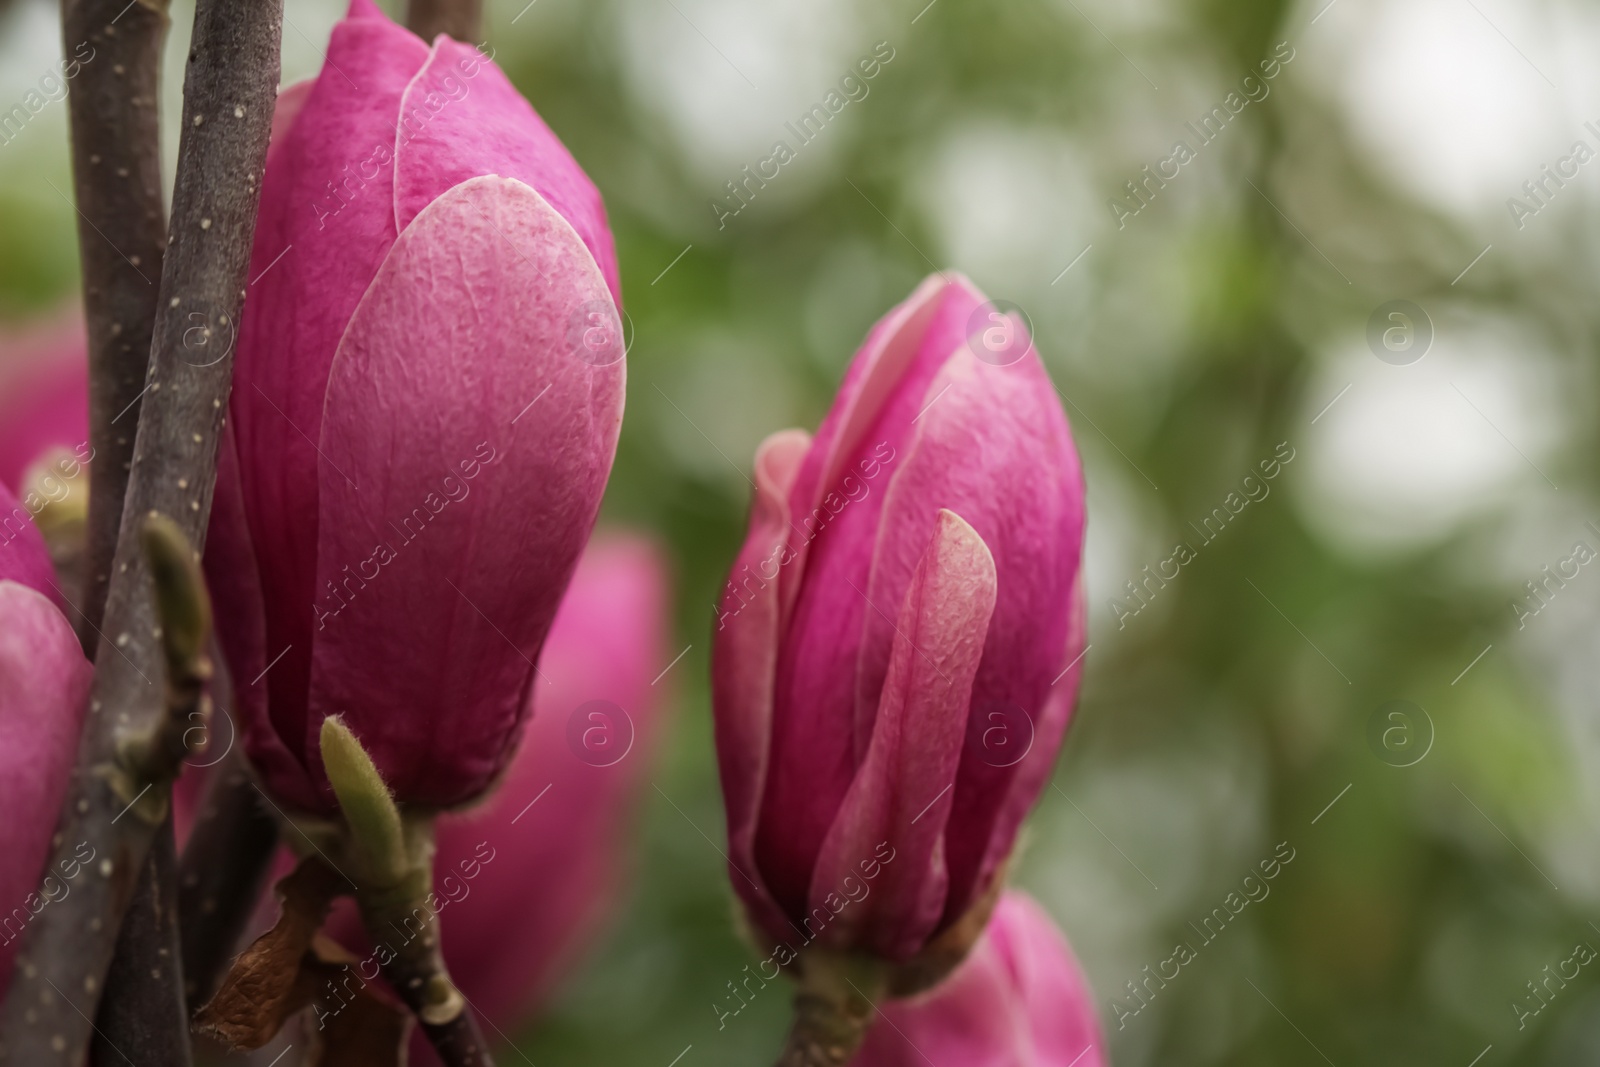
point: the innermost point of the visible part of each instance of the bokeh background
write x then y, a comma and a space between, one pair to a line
1442, 858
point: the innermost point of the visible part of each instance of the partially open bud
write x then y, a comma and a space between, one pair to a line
897, 649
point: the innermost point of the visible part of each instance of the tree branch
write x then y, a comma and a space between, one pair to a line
141, 1018
461, 19
116, 181
120, 791
224, 868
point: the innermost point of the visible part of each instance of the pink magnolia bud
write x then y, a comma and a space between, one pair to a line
896, 651
523, 880
44, 395
1020, 998
44, 684
427, 397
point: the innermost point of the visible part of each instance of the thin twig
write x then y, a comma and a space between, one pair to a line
461, 19
116, 157
122, 235
224, 869
128, 742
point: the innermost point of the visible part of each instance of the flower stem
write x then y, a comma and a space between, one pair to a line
832, 1008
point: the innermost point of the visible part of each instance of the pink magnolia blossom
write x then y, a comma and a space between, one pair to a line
44, 685
524, 879
1019, 1000
428, 391
896, 651
44, 394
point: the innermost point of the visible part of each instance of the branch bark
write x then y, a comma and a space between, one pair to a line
223, 871
142, 1018
130, 749
461, 19
122, 232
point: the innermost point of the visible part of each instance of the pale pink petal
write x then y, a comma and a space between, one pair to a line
457, 492
901, 793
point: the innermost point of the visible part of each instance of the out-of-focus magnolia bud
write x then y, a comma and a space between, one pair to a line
897, 647
44, 396
44, 685
1019, 998
428, 390
522, 880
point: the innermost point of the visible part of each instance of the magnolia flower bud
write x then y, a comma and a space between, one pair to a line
896, 651
44, 396
427, 396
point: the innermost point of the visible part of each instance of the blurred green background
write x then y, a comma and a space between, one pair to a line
1247, 703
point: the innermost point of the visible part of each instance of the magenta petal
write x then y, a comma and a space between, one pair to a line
743, 660
44, 685
467, 447
235, 584
994, 446
1019, 1000
814, 750
873, 375
325, 223
461, 117
901, 793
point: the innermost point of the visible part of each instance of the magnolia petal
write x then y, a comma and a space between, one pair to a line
1033, 771
461, 117
233, 580
467, 442
889, 349
901, 793
994, 446
744, 659
325, 223
813, 751
44, 685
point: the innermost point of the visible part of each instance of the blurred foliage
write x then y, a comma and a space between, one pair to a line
1231, 714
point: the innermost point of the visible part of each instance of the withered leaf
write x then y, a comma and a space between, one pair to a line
262, 989
369, 1030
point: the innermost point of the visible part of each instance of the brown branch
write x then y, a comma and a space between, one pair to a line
141, 1017
461, 19
130, 749
224, 868
122, 234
